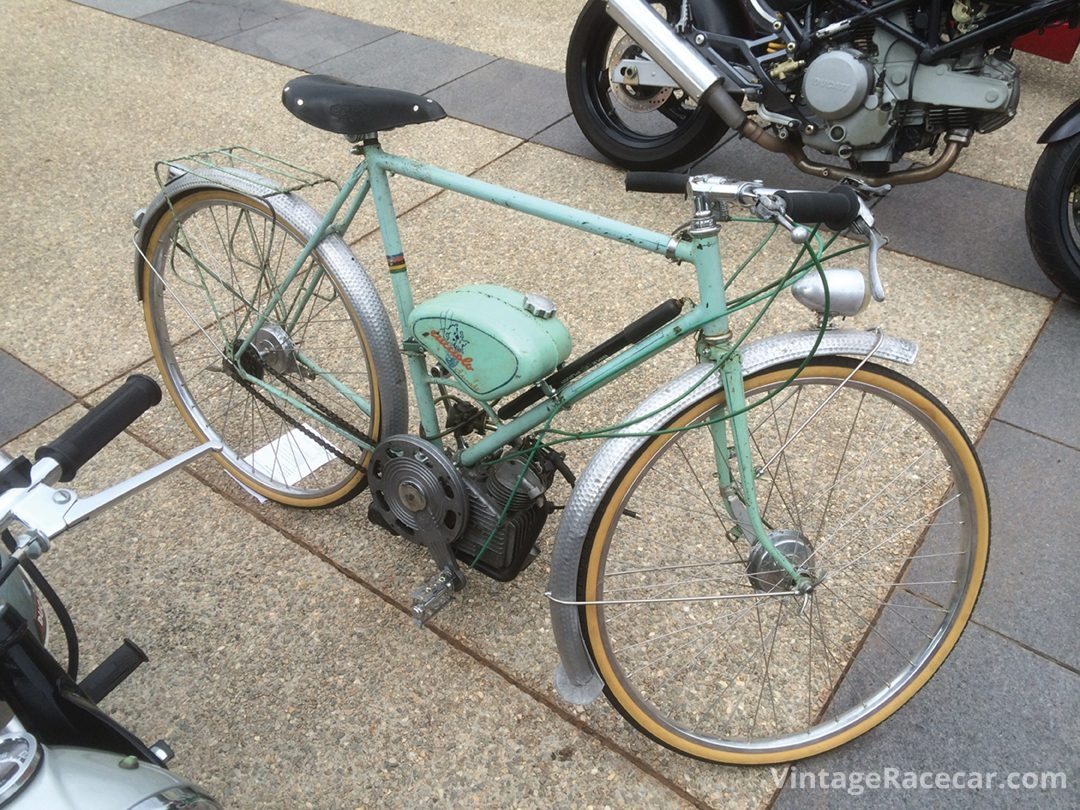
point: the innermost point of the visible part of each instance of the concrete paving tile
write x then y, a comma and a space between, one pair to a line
1043, 398
481, 97
1004, 716
965, 223
535, 34
215, 19
1033, 501
404, 62
26, 398
85, 160
282, 684
130, 8
566, 136
304, 39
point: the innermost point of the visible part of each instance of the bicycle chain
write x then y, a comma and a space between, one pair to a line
328, 414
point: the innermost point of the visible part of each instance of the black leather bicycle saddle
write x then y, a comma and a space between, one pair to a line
349, 109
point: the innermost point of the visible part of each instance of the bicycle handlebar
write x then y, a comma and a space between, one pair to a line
100, 425
656, 182
837, 208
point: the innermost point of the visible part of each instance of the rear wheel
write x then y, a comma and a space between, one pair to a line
299, 408
636, 126
1053, 214
868, 486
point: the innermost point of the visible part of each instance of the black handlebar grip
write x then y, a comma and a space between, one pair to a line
837, 208
101, 424
656, 182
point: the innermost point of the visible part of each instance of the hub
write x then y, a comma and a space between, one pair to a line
271, 348
765, 574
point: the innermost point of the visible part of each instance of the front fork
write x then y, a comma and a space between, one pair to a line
744, 510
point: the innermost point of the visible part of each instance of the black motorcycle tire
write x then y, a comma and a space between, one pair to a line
605, 123
1053, 214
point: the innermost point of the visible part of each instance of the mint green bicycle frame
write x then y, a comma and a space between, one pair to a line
708, 319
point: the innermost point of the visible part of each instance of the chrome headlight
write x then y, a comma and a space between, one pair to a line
20, 756
178, 798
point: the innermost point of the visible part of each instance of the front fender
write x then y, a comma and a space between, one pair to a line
576, 678
1064, 126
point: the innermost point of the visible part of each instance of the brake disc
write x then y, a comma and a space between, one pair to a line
635, 98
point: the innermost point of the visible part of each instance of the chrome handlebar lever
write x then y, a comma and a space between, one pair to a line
767, 204
46, 512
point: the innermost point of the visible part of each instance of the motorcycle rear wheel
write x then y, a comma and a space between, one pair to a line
636, 127
1053, 214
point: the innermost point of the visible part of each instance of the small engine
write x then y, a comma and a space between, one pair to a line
513, 545
489, 516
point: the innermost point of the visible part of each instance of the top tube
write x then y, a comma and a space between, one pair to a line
663, 244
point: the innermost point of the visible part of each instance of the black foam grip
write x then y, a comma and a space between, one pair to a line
837, 208
101, 424
656, 182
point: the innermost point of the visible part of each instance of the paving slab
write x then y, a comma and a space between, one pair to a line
130, 8
481, 97
216, 19
26, 397
1005, 715
535, 34
305, 38
1045, 398
282, 683
1029, 589
404, 62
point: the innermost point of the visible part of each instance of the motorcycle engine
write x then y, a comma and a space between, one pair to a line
877, 102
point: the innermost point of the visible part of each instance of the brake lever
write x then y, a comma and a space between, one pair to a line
768, 207
864, 225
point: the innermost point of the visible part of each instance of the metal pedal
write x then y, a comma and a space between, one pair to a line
434, 595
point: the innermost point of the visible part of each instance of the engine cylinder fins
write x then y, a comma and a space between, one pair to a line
503, 484
417, 489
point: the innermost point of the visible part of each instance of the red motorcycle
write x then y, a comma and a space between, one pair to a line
862, 82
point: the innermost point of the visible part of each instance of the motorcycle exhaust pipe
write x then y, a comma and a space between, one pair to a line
691, 71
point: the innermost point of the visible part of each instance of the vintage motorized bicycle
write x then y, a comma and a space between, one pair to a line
58, 749
862, 82
767, 557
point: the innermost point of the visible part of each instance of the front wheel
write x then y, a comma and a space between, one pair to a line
299, 405
1053, 214
871, 490
635, 126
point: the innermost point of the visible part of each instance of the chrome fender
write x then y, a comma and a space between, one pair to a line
383, 343
576, 678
